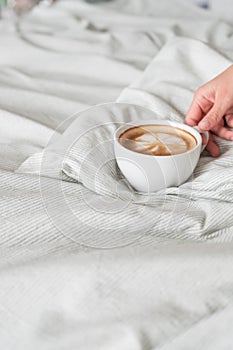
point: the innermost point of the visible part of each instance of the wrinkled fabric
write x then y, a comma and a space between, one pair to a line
85, 262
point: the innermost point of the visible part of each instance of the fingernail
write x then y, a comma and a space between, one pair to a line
205, 124
192, 122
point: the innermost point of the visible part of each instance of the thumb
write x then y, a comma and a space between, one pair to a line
212, 118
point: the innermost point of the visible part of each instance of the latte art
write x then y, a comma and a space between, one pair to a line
157, 140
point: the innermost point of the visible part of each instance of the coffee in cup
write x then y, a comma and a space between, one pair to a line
157, 140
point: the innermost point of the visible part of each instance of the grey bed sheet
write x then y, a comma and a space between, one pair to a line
159, 291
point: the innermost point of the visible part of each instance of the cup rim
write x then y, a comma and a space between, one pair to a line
133, 123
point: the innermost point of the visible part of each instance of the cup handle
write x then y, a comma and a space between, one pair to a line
206, 134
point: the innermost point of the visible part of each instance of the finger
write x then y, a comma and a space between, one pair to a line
212, 118
195, 113
221, 123
204, 139
212, 147
229, 120
223, 132
200, 106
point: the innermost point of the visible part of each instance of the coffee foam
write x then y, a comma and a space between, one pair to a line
157, 140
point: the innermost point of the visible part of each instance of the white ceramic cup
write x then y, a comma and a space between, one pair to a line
148, 173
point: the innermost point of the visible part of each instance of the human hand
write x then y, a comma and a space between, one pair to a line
212, 109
